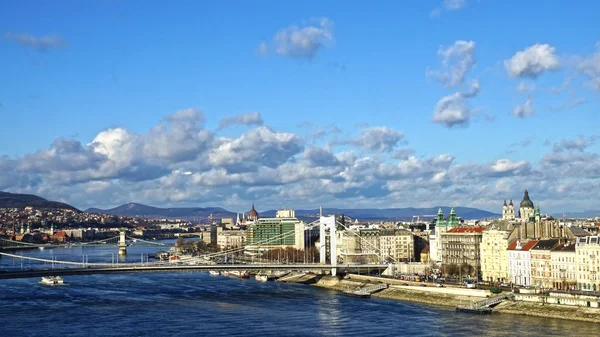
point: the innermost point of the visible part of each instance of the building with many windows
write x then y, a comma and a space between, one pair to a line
564, 267
231, 239
587, 255
519, 262
462, 246
397, 245
494, 254
541, 263
278, 232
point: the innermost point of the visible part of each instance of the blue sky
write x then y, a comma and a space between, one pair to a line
73, 70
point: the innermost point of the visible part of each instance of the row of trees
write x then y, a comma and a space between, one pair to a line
292, 255
453, 269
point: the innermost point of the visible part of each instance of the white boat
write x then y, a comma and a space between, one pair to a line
262, 277
52, 280
214, 273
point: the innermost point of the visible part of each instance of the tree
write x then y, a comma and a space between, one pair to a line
180, 242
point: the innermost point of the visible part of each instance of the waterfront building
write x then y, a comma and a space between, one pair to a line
369, 244
397, 245
441, 227
231, 239
519, 262
495, 240
278, 232
541, 263
462, 246
587, 254
564, 267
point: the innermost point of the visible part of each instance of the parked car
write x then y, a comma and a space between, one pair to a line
439, 285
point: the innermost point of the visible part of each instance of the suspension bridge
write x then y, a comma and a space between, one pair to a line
328, 227
6, 244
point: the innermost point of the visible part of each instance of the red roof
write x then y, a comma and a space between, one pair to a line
477, 229
527, 246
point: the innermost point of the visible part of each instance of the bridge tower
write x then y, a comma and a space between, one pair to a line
328, 223
122, 244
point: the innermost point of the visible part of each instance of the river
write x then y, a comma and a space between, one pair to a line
198, 304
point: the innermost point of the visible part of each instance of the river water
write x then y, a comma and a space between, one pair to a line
198, 304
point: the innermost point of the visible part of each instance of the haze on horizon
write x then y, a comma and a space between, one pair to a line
403, 104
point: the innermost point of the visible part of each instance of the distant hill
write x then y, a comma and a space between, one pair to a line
577, 215
15, 200
466, 213
140, 210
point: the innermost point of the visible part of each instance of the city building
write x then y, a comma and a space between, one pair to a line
278, 232
369, 244
462, 246
564, 267
231, 239
441, 226
541, 263
587, 254
495, 240
397, 245
519, 262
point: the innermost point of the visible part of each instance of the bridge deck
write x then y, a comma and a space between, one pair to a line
169, 268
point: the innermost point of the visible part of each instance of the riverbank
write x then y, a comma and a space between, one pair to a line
452, 297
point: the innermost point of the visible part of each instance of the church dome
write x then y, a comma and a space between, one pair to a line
253, 214
526, 203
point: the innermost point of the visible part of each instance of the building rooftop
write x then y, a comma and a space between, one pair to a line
546, 244
523, 247
476, 229
566, 247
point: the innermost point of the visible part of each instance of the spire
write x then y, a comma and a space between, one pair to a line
452, 212
253, 206
504, 202
511, 203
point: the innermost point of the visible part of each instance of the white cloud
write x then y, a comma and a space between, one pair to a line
173, 165
303, 42
42, 43
454, 110
458, 60
524, 110
251, 118
532, 61
589, 66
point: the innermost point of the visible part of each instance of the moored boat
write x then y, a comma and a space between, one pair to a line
237, 273
214, 273
262, 277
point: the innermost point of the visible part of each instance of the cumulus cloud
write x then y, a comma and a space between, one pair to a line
379, 139
178, 162
303, 42
458, 60
454, 110
589, 66
578, 144
524, 110
251, 118
42, 43
532, 61
260, 146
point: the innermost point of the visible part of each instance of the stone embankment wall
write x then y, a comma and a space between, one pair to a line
452, 297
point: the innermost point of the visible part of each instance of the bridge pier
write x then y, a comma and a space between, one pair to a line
328, 222
122, 244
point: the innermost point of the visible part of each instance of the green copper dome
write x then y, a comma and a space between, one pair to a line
526, 203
